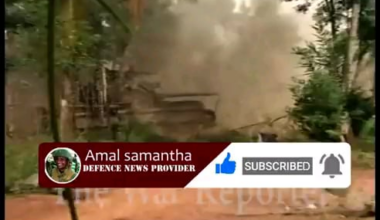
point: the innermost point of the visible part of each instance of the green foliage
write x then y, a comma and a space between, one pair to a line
92, 40
367, 27
135, 131
24, 18
331, 17
25, 14
31, 43
73, 58
363, 159
320, 103
319, 107
117, 33
325, 54
21, 160
368, 131
360, 108
82, 54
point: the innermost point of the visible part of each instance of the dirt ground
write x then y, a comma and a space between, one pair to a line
187, 204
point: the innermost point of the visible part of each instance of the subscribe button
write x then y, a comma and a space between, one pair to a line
326, 171
277, 166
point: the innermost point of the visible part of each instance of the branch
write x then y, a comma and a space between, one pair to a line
269, 122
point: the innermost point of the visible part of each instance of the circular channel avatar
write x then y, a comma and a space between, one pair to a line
62, 165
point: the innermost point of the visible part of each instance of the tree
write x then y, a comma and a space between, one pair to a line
51, 81
343, 103
351, 20
319, 106
352, 47
73, 14
343, 30
83, 42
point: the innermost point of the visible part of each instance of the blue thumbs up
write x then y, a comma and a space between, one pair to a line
227, 167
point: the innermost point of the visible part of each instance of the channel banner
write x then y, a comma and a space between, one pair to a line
195, 165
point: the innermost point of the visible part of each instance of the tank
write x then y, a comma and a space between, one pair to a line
133, 95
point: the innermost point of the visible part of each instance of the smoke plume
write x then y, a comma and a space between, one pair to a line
204, 47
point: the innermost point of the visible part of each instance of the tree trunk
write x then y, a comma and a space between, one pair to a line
52, 90
351, 65
358, 69
332, 14
352, 47
67, 114
71, 11
348, 75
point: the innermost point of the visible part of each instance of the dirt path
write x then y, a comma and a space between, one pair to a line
174, 204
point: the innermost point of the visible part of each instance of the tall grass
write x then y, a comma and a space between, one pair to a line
21, 159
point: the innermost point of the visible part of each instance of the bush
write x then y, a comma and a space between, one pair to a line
368, 131
360, 108
21, 160
319, 107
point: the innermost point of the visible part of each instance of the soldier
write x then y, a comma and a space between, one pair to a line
63, 172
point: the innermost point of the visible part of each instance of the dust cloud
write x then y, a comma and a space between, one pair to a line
204, 47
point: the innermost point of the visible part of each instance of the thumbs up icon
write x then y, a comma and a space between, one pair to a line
227, 167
